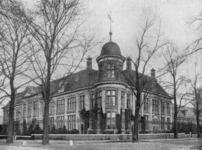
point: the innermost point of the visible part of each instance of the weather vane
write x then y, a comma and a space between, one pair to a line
110, 18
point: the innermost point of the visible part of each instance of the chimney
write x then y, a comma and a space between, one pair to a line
89, 63
153, 72
128, 64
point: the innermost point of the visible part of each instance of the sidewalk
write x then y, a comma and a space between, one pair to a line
148, 144
95, 141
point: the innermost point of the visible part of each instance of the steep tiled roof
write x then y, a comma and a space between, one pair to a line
84, 78
150, 84
87, 78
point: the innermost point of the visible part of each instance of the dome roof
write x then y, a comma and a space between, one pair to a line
110, 48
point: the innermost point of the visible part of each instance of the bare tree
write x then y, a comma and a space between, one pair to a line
14, 61
139, 81
59, 46
174, 60
196, 92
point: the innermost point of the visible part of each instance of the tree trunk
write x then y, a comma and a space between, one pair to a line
11, 115
45, 140
198, 125
175, 122
136, 119
135, 129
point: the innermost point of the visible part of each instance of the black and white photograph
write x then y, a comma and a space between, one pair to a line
101, 74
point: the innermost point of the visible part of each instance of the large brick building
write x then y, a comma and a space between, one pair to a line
105, 89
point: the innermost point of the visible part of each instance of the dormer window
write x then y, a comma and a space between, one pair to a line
110, 71
61, 87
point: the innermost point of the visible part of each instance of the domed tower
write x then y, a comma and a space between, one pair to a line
110, 62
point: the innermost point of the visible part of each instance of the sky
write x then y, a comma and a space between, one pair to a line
128, 17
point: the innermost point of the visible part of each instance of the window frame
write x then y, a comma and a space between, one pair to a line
146, 105
111, 99
110, 120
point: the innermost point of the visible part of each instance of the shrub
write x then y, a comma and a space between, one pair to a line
119, 132
91, 132
109, 132
38, 130
53, 130
144, 132
74, 131
31, 129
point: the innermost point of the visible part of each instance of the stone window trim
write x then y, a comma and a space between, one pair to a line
110, 120
81, 101
51, 107
146, 104
123, 99
60, 121
96, 98
163, 108
71, 104
116, 97
35, 108
110, 71
71, 122
155, 106
24, 110
168, 107
60, 106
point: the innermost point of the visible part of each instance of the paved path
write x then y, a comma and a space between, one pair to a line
147, 144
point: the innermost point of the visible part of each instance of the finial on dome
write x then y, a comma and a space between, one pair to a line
110, 33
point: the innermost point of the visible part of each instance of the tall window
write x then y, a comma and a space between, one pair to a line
6, 115
110, 71
111, 98
162, 123
71, 122
155, 106
29, 110
18, 112
92, 100
162, 107
24, 110
61, 106
35, 108
51, 122
168, 108
71, 104
82, 102
99, 98
146, 105
146, 121
60, 121
128, 100
168, 123
122, 99
111, 124
42, 107
51, 107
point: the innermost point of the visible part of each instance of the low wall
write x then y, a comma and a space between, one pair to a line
108, 136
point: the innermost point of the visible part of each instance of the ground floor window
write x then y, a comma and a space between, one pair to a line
60, 121
51, 122
162, 123
71, 122
146, 121
111, 120
168, 123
